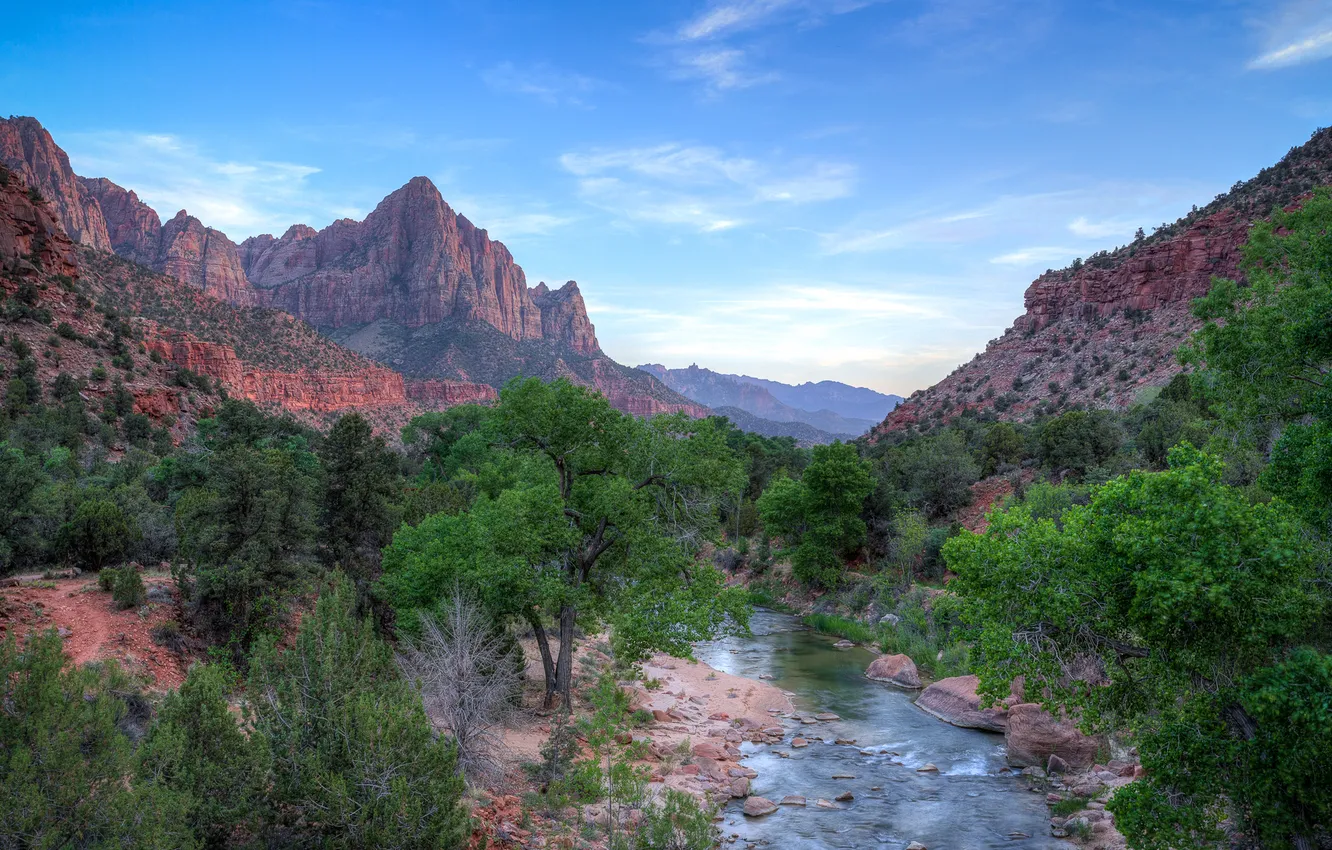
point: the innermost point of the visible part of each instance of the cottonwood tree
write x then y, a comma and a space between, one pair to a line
599, 524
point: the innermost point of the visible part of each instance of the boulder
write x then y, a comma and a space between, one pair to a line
756, 807
1034, 735
709, 750
897, 670
797, 743
739, 787
955, 701
793, 800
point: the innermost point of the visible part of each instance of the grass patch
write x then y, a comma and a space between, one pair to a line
1067, 807
768, 593
831, 624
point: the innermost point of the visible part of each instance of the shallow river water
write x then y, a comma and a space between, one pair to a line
968, 805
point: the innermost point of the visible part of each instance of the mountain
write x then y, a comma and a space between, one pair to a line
773, 401
842, 399
1099, 332
153, 328
805, 435
415, 285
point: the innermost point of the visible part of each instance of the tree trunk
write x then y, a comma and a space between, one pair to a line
564, 666
547, 662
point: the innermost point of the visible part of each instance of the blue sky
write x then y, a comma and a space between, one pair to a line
796, 189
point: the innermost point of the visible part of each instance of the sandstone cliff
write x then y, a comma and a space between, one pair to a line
133, 226
26, 148
32, 241
1101, 331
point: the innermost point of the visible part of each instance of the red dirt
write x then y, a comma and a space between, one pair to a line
93, 629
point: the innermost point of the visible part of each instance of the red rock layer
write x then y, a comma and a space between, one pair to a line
627, 395
434, 394
32, 240
26, 147
205, 259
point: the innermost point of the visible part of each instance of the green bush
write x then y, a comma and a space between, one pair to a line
831, 624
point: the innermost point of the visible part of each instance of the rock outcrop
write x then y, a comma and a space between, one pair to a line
954, 700
897, 670
133, 227
32, 240
1098, 332
28, 149
449, 393
1033, 735
203, 258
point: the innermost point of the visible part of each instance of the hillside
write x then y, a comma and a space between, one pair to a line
1099, 332
805, 435
440, 299
763, 399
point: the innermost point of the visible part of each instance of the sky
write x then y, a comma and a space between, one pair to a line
794, 189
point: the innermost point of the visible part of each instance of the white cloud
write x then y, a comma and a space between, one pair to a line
698, 185
705, 47
169, 173
510, 220
1035, 256
1301, 32
1099, 216
551, 86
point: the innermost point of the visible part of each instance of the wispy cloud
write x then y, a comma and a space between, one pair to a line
708, 46
510, 220
1097, 216
170, 173
697, 185
551, 86
1301, 32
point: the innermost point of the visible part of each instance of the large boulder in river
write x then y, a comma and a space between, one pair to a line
759, 806
897, 670
955, 701
1034, 735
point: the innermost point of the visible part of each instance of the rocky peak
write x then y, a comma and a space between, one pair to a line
32, 240
564, 317
28, 149
132, 226
203, 258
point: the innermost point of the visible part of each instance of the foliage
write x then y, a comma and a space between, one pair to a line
196, 748
1079, 440
361, 484
127, 589
599, 522
1003, 446
99, 533
355, 762
63, 758
1140, 609
677, 822
831, 624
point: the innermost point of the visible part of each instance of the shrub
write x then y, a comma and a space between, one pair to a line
99, 533
127, 589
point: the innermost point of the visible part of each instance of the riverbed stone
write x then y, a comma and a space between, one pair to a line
897, 670
927, 768
794, 800
844, 797
1034, 735
799, 742
756, 807
954, 700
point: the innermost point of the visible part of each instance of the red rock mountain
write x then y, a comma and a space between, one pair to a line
415, 285
1099, 332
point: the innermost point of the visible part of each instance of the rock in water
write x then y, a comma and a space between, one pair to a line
793, 800
756, 807
897, 670
1034, 735
955, 701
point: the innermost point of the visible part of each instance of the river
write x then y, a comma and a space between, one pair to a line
971, 803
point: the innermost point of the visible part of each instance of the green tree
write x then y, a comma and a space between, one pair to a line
1002, 447
1079, 440
361, 483
601, 525
935, 473
355, 761
1153, 586
196, 748
64, 759
98, 534
820, 515
20, 476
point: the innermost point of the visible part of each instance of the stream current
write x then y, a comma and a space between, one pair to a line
971, 803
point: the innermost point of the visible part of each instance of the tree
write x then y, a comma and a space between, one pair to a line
20, 476
361, 482
1150, 591
196, 748
600, 524
935, 473
820, 515
64, 759
468, 673
1079, 440
355, 762
1002, 447
98, 534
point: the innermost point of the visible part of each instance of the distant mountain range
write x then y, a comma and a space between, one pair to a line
835, 409
805, 435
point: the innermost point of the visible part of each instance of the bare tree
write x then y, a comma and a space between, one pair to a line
468, 679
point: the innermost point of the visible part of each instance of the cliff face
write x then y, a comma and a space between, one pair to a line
1099, 332
133, 226
32, 241
435, 394
414, 262
26, 148
203, 258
